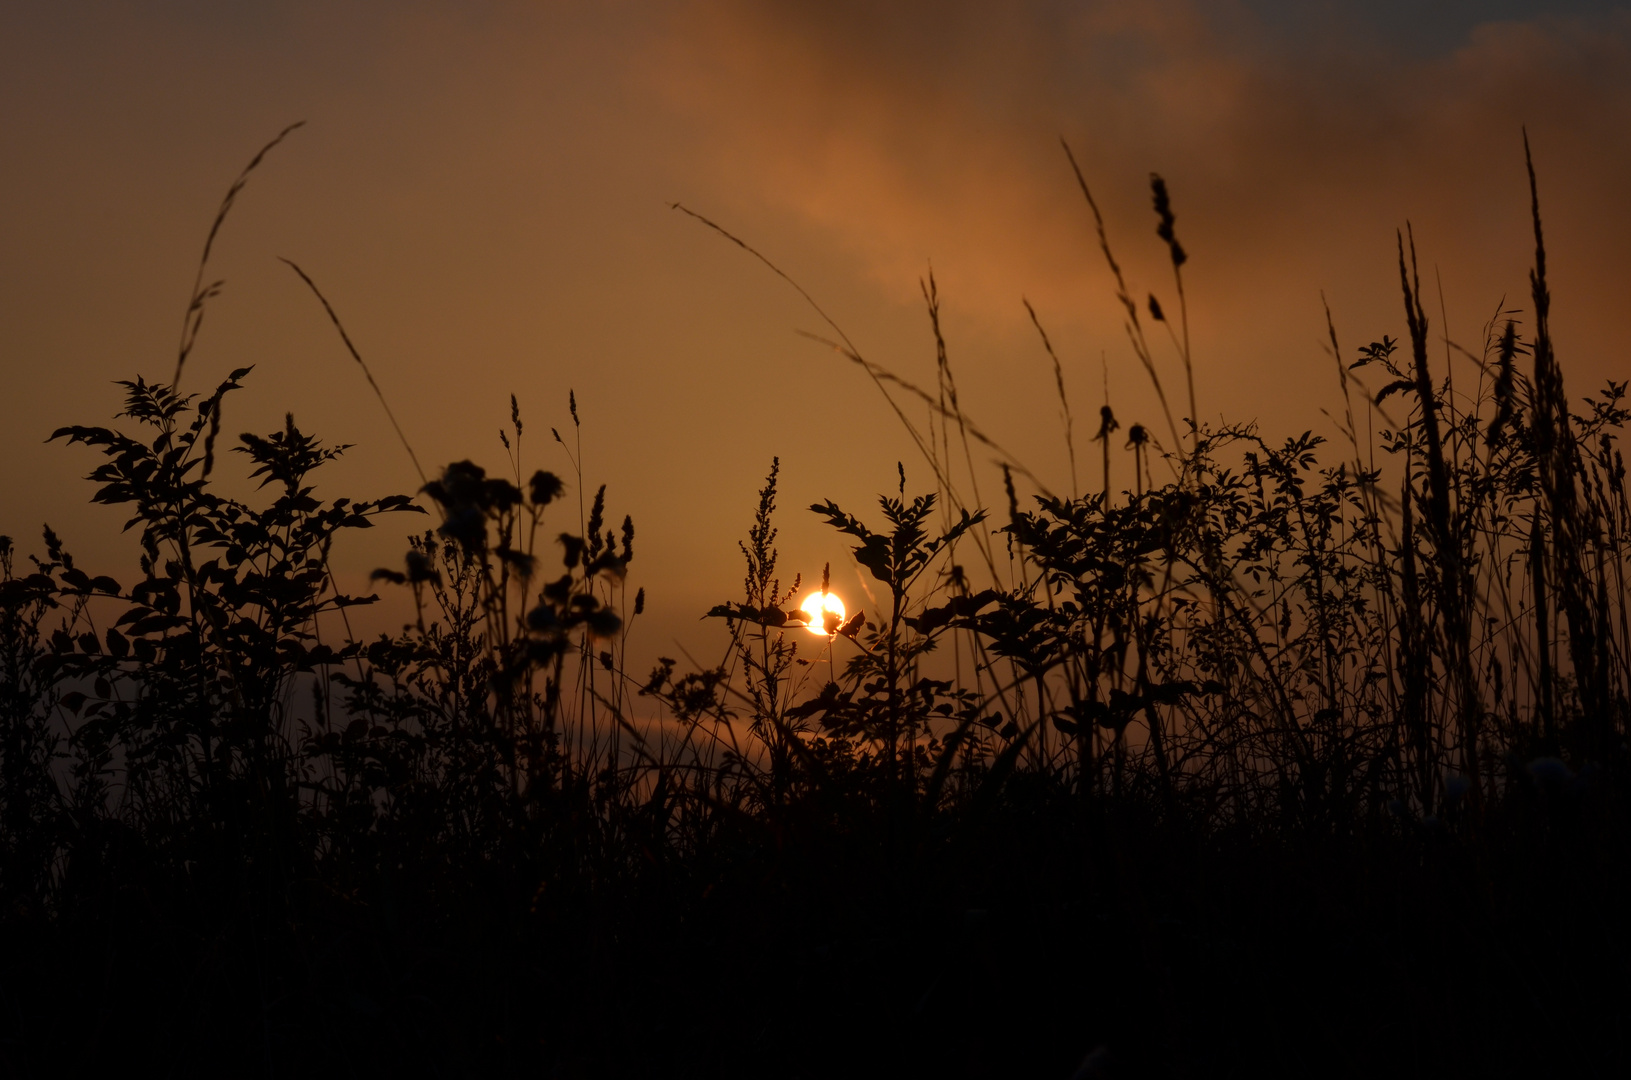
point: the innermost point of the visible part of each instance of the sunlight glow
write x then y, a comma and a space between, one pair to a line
826, 613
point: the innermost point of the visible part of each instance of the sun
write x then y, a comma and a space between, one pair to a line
826, 613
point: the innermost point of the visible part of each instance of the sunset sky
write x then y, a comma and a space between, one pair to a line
483, 190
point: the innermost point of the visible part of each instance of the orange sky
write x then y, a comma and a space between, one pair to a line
482, 191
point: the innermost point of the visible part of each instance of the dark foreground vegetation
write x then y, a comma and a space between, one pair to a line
1261, 758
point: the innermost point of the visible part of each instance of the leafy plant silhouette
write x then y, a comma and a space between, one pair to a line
1336, 699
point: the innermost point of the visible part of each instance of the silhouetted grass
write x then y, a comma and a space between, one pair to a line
1303, 760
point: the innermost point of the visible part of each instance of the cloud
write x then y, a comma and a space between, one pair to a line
929, 132
929, 135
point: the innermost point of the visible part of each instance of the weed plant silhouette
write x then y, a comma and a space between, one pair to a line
1289, 757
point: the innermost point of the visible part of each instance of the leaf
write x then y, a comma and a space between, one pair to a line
1171, 693
1398, 387
157, 624
766, 616
132, 615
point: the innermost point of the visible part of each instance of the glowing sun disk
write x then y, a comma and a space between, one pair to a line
824, 609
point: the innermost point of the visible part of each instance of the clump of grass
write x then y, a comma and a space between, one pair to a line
1113, 770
